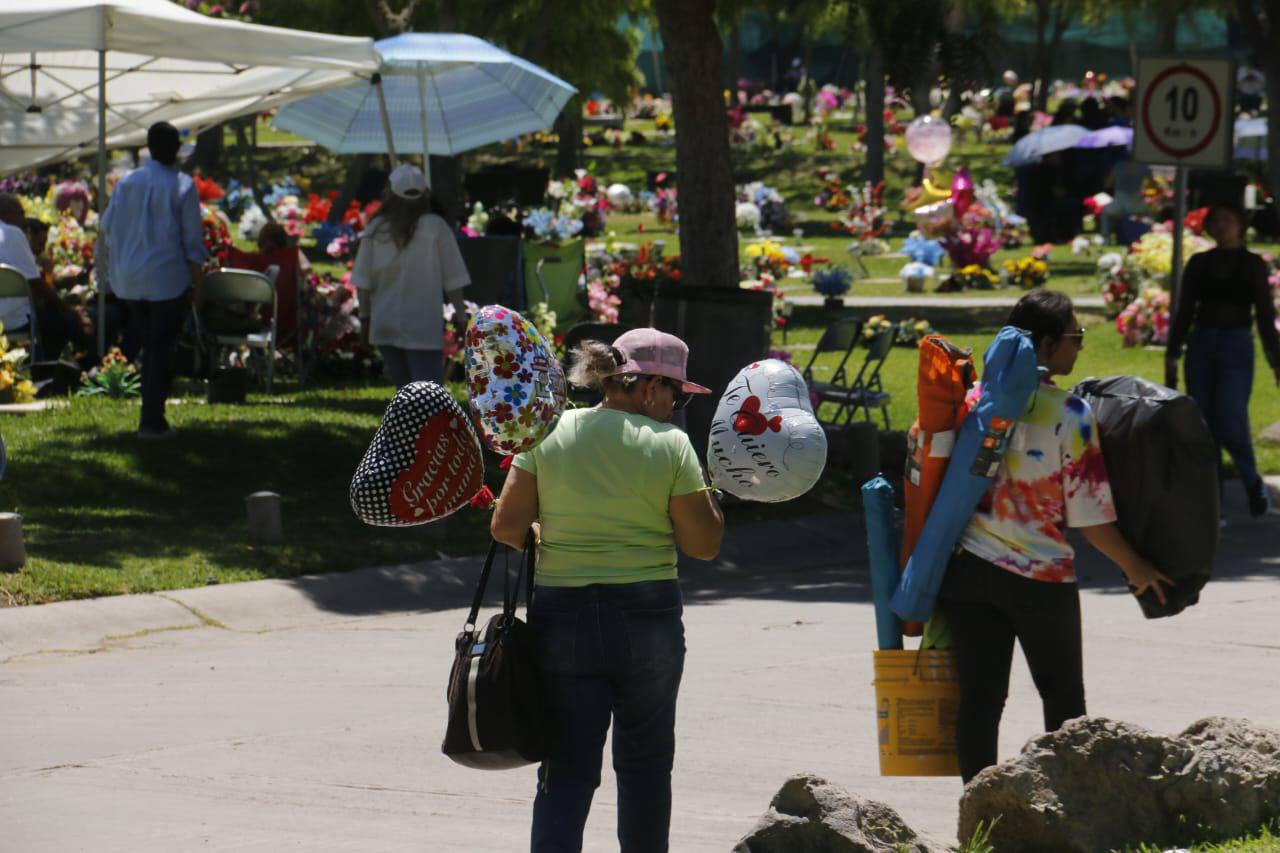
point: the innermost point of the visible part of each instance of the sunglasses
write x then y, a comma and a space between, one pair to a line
1077, 335
682, 397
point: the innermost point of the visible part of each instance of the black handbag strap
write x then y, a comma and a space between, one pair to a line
509, 601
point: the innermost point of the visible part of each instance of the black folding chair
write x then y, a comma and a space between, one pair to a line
840, 337
867, 391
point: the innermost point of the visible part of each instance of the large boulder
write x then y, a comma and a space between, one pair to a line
1098, 784
811, 815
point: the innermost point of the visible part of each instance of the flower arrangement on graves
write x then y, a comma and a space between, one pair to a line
15, 384
1145, 320
832, 281
115, 378
970, 277
1027, 272
217, 235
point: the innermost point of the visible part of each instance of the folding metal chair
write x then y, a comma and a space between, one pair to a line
237, 287
867, 391
840, 337
14, 285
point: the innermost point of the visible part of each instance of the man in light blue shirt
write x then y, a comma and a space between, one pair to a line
155, 253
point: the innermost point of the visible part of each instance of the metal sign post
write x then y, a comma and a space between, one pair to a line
1184, 120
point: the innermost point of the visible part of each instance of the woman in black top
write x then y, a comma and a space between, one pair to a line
1224, 291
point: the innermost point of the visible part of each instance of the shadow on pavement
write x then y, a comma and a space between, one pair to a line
819, 557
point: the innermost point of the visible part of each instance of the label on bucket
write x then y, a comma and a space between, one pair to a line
926, 726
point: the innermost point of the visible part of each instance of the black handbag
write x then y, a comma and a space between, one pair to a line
494, 720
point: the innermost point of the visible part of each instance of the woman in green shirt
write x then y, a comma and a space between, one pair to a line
611, 493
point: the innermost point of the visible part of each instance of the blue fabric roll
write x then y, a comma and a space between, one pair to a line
1009, 378
883, 544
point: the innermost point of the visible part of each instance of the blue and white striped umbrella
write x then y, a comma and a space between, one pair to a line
462, 90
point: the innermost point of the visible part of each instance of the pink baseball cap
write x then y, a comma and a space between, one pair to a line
655, 353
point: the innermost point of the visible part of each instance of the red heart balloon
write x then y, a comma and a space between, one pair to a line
423, 464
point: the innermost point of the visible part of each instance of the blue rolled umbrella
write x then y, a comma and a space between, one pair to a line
1009, 379
883, 541
1034, 146
445, 93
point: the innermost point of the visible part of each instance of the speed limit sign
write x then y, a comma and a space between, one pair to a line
1184, 112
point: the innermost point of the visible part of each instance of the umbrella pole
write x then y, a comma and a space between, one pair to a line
102, 194
386, 119
422, 117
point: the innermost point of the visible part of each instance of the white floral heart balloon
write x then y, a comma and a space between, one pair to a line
766, 443
515, 384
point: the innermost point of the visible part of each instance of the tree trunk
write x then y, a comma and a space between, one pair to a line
1167, 30
209, 150
808, 89
775, 81
708, 233
249, 172
1042, 64
446, 187
735, 59
874, 95
569, 149
387, 22
1261, 27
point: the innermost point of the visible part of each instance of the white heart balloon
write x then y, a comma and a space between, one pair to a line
766, 443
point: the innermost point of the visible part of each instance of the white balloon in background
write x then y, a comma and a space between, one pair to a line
766, 444
928, 139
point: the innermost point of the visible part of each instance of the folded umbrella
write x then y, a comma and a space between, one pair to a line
882, 544
1009, 378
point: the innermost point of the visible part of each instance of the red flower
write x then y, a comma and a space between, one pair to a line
505, 365
483, 499
502, 412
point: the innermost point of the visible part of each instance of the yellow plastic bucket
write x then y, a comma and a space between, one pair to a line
917, 696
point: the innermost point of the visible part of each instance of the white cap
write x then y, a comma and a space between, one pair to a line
407, 181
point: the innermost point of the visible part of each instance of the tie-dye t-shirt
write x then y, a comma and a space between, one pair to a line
1052, 477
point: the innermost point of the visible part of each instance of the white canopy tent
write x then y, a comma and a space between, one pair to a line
70, 69
80, 75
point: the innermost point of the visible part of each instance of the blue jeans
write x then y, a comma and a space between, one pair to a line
156, 326
608, 650
412, 365
1219, 372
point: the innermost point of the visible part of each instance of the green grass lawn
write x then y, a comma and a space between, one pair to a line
105, 514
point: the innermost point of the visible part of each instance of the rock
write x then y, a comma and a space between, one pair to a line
1270, 435
811, 815
1098, 784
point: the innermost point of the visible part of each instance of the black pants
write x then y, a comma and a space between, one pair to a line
988, 607
156, 326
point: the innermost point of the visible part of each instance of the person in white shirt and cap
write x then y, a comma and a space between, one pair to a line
407, 262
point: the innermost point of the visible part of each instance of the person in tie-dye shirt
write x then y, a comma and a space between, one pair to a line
1013, 574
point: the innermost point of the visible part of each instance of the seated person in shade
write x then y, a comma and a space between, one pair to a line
292, 269
57, 323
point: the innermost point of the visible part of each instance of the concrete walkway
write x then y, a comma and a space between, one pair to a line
307, 715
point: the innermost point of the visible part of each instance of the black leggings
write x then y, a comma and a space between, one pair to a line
986, 608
